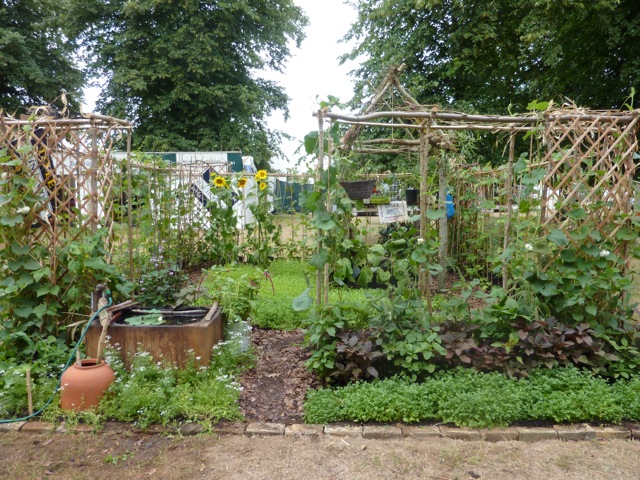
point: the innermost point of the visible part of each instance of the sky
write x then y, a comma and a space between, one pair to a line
311, 74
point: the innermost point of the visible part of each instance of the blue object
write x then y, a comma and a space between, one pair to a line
449, 206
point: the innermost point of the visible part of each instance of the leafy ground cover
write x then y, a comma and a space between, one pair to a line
471, 399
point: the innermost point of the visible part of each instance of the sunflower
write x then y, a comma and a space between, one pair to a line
220, 182
263, 185
242, 182
261, 175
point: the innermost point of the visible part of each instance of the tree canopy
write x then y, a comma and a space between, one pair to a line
36, 58
491, 55
187, 72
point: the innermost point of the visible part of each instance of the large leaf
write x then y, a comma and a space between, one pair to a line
319, 259
558, 237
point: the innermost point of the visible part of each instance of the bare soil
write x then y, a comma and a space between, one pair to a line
138, 456
274, 390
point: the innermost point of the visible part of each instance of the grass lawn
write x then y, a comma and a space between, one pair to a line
283, 281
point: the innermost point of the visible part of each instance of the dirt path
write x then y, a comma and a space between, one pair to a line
133, 456
274, 390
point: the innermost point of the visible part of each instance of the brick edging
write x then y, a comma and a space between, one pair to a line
381, 432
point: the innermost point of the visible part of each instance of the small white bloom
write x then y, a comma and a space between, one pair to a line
528, 246
5, 175
23, 210
604, 253
420, 241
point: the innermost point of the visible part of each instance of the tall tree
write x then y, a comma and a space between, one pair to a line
36, 58
187, 72
491, 54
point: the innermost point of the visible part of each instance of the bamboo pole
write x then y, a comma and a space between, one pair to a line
130, 207
93, 182
29, 392
319, 274
424, 275
328, 206
467, 118
412, 126
443, 233
507, 226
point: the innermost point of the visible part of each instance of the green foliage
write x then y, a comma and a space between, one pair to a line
42, 290
45, 357
234, 289
200, 91
160, 286
155, 393
36, 56
471, 399
579, 49
263, 235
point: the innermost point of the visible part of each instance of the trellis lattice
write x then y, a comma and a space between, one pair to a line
589, 175
70, 161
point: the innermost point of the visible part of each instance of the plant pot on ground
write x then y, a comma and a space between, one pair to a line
83, 384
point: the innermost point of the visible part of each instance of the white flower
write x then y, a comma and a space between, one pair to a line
23, 210
528, 246
5, 175
420, 241
604, 253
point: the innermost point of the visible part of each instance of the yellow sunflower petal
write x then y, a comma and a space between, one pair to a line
263, 185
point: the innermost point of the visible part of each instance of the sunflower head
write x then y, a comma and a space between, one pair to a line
220, 182
263, 185
261, 175
242, 182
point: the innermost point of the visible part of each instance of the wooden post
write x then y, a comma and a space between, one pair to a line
507, 225
443, 233
424, 277
29, 393
326, 265
319, 274
129, 208
93, 180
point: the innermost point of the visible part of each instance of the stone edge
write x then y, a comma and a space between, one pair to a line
562, 432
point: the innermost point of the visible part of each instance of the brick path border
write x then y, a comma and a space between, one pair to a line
575, 432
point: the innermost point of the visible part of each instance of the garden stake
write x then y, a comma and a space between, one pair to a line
29, 395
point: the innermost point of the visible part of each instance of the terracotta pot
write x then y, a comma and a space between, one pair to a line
82, 387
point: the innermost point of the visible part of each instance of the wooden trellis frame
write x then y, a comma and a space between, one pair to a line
71, 162
571, 135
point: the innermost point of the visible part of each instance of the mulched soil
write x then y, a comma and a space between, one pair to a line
274, 390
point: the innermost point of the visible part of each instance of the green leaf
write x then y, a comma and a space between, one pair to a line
626, 233
20, 249
303, 301
31, 264
324, 221
591, 309
558, 237
319, 259
578, 213
435, 214
11, 221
